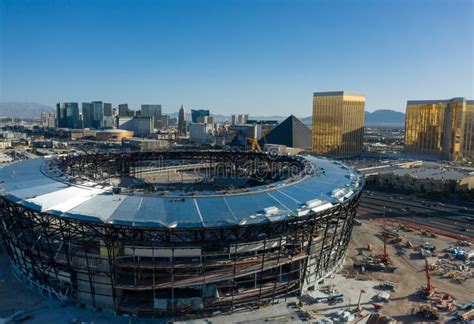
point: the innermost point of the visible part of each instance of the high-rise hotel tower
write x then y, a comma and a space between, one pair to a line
440, 128
338, 123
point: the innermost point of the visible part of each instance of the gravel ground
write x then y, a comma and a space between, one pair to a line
409, 276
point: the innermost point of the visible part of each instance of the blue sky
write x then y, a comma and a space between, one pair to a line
258, 57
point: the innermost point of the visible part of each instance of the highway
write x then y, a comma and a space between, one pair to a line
458, 219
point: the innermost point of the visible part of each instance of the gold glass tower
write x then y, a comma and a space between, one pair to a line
338, 123
440, 128
468, 134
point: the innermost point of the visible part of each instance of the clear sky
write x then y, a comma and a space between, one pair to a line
258, 57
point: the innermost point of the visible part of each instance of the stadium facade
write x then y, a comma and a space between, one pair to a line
107, 231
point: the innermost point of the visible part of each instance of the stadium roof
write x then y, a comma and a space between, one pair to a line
27, 184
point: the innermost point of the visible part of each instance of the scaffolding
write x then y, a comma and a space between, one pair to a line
174, 270
140, 269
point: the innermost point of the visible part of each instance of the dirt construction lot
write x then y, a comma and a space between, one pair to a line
409, 276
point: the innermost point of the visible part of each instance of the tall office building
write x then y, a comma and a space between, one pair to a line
165, 120
107, 109
440, 128
338, 123
87, 114
181, 121
44, 118
468, 131
196, 113
97, 114
108, 120
48, 119
68, 115
124, 111
239, 119
152, 111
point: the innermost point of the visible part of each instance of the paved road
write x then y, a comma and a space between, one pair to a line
455, 218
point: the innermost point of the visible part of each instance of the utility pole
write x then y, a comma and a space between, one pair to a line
358, 309
385, 255
429, 285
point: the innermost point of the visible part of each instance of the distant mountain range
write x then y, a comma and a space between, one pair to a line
223, 118
22, 109
383, 117
380, 117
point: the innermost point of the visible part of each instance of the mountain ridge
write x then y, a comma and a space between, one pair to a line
379, 117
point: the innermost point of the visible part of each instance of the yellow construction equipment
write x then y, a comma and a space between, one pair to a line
255, 146
428, 311
453, 274
254, 142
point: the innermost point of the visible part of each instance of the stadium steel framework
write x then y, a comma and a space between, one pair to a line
145, 269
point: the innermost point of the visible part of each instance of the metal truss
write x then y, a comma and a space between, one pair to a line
144, 270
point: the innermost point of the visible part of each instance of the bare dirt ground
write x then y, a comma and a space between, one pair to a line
409, 276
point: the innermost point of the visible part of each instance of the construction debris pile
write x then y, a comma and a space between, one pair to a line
363, 306
374, 263
458, 272
327, 294
466, 312
428, 312
379, 262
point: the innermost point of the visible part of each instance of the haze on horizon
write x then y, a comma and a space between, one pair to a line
258, 57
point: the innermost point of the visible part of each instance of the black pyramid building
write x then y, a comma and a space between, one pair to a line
291, 132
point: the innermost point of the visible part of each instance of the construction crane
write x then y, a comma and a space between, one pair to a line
254, 142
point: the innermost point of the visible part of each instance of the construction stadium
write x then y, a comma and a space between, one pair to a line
178, 231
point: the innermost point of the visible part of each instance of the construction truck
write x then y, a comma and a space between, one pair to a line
374, 265
428, 312
388, 285
391, 233
397, 240
336, 298
382, 296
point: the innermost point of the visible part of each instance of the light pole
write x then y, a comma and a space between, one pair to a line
358, 309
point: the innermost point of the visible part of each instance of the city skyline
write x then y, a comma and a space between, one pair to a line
235, 56
237, 161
